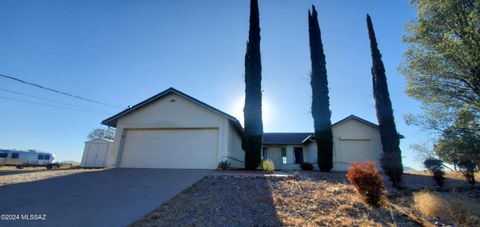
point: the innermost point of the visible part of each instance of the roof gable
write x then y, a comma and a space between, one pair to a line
353, 117
112, 121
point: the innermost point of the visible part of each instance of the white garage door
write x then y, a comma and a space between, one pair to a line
357, 151
172, 148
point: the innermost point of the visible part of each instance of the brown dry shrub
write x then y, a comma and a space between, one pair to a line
461, 211
367, 181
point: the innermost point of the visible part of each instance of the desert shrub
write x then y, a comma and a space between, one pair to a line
306, 166
224, 165
268, 166
435, 166
461, 211
468, 170
367, 181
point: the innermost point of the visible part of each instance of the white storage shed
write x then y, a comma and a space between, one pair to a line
96, 153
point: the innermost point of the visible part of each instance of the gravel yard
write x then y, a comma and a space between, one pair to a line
270, 202
11, 175
213, 201
316, 199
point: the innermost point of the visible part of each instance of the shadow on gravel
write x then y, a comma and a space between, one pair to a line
218, 201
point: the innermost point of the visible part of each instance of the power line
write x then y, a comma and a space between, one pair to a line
57, 91
50, 105
40, 98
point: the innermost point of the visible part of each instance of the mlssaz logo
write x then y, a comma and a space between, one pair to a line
34, 217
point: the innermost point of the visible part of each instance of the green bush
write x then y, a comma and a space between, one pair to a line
367, 181
435, 166
224, 165
268, 166
306, 166
467, 167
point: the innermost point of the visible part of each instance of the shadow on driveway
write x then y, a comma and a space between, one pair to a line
113, 197
221, 201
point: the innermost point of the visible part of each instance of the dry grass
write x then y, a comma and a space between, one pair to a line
313, 199
448, 174
270, 202
11, 175
460, 210
314, 203
459, 175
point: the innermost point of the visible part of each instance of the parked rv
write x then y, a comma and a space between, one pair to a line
30, 158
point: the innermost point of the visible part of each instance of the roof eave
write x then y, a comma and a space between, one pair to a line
112, 121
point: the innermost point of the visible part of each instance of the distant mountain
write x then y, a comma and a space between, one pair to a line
407, 168
70, 162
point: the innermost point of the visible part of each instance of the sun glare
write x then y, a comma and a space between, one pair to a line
238, 110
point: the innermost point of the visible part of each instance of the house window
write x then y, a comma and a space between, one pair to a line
264, 153
47, 157
40, 157
3, 155
298, 155
14, 155
284, 155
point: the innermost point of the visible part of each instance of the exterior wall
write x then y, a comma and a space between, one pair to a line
168, 114
236, 155
353, 141
274, 154
312, 154
86, 151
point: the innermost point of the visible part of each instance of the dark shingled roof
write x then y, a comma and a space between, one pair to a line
299, 138
290, 138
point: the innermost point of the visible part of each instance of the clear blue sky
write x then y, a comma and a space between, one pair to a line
122, 52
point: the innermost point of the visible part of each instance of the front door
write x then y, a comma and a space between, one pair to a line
298, 155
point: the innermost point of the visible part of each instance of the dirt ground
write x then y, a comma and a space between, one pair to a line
316, 199
12, 175
270, 202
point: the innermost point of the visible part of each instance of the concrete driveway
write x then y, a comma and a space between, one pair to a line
113, 197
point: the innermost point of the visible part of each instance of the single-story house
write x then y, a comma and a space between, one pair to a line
354, 140
175, 130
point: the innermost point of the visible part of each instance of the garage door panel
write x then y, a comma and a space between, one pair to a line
357, 151
172, 148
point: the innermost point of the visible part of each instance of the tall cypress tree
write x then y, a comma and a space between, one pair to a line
253, 137
320, 101
392, 160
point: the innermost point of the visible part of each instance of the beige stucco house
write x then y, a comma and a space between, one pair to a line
175, 130
354, 140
